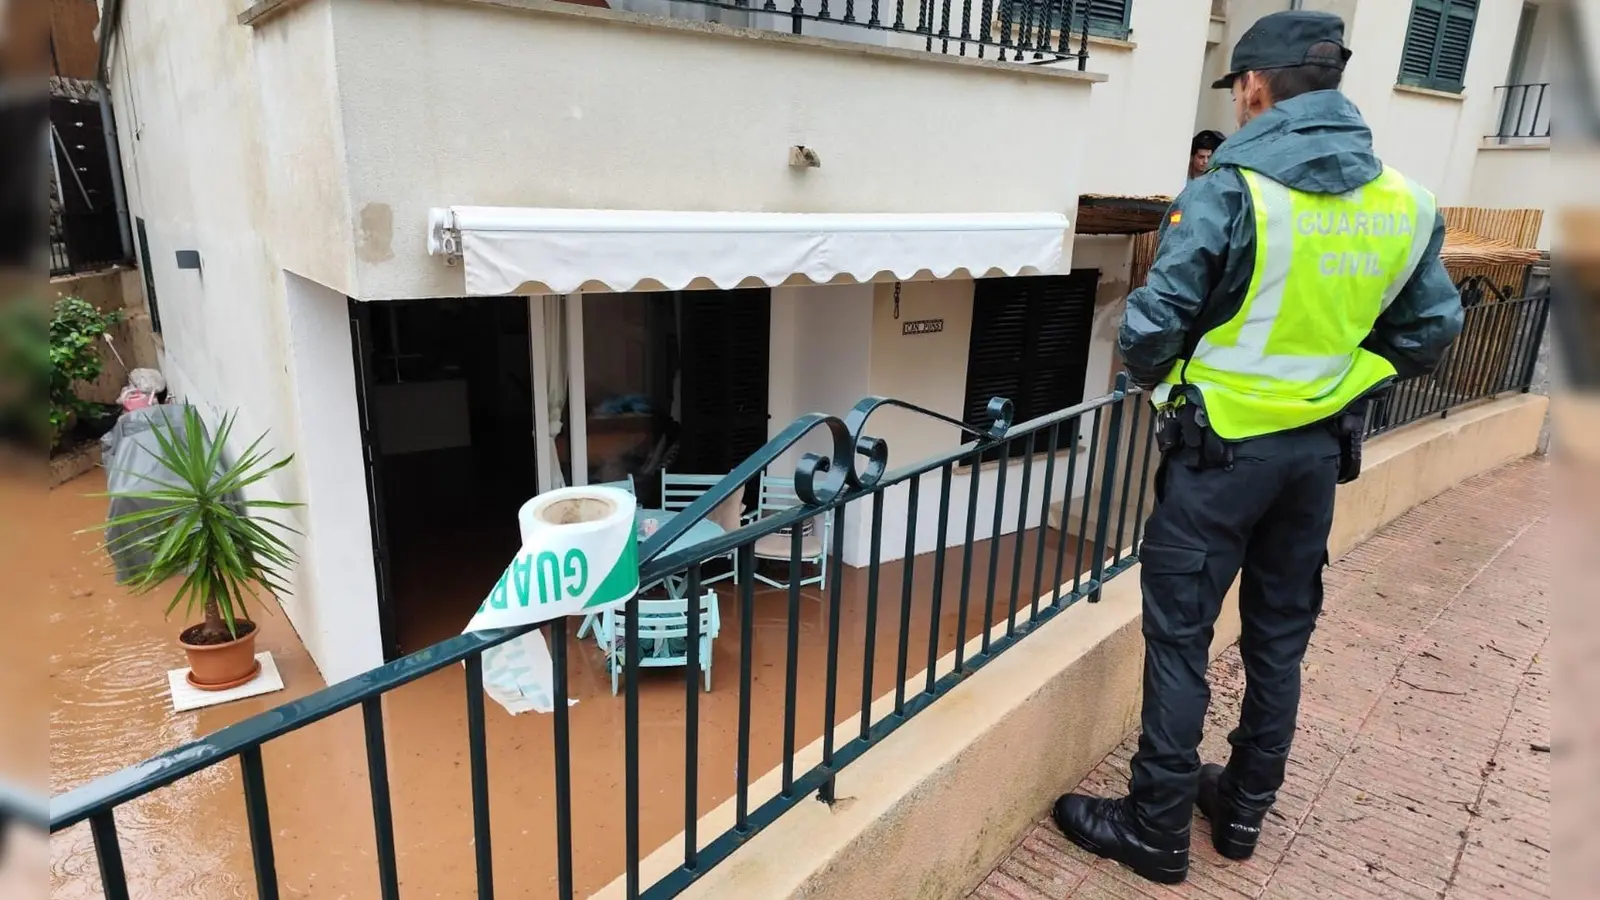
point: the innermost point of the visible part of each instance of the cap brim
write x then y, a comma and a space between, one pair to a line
1225, 81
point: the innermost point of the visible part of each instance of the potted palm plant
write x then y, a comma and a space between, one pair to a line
190, 520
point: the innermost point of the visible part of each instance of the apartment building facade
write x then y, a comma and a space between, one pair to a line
475, 248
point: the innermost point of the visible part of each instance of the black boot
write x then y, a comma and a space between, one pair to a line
1234, 831
1105, 828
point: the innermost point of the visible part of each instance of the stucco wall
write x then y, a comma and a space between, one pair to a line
821, 351
1434, 139
205, 174
313, 143
311, 227
424, 127
1515, 177
1140, 119
833, 345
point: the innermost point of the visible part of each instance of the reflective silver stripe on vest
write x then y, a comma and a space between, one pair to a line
1248, 355
1278, 245
1421, 236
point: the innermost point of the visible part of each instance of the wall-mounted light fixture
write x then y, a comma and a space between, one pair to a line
802, 157
189, 259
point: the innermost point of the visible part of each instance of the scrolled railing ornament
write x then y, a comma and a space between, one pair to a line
818, 479
856, 461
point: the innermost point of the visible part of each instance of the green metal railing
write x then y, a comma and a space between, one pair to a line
1495, 354
1119, 453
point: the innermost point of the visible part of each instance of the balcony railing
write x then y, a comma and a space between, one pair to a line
84, 231
1523, 112
1495, 353
84, 242
1032, 31
1118, 455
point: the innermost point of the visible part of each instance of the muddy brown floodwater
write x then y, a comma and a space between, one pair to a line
110, 651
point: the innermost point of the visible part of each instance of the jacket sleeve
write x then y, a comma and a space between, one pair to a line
1190, 259
1416, 329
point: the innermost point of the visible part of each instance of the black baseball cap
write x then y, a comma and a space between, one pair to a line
1285, 39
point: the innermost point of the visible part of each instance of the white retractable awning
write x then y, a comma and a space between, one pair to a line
504, 248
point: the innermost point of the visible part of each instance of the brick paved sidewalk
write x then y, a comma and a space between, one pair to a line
1421, 767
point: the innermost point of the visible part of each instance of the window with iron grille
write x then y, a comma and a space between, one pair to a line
1107, 18
1030, 344
149, 276
1438, 42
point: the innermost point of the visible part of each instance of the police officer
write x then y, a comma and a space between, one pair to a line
1295, 278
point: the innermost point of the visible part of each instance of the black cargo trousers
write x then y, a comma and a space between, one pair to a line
1268, 513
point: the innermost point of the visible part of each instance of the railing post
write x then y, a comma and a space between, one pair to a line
478, 756
108, 853
1541, 321
561, 733
1083, 38
1108, 486
382, 813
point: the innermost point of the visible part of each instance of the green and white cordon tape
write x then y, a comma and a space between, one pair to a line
579, 556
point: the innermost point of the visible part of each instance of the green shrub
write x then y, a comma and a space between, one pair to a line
76, 329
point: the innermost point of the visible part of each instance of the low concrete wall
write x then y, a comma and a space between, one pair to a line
925, 814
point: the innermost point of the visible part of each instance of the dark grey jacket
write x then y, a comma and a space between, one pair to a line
1316, 142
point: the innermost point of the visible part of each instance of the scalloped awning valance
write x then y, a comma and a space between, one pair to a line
560, 251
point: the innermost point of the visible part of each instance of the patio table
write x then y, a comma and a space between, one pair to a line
676, 585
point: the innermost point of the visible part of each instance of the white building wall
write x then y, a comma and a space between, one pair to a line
820, 359
300, 156
896, 131
185, 83
929, 370
1432, 137
1141, 118
339, 624
1518, 177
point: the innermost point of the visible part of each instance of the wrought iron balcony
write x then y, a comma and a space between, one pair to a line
1009, 593
1523, 112
1030, 31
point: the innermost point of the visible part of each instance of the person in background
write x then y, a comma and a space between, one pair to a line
1200, 149
1297, 276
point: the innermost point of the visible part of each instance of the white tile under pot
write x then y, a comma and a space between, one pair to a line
186, 697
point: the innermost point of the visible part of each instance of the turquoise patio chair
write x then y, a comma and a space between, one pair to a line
678, 491
663, 635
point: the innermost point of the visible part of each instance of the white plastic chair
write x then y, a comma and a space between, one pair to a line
678, 491
663, 635
778, 495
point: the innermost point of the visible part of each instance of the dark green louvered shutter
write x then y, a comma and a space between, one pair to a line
1030, 344
1107, 18
723, 364
1438, 44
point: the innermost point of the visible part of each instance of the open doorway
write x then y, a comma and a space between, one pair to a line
668, 379
447, 402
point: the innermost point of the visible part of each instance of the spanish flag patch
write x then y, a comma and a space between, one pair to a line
1175, 218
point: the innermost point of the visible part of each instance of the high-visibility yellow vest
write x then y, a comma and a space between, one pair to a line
1326, 266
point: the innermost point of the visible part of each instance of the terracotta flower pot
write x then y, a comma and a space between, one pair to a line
217, 667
